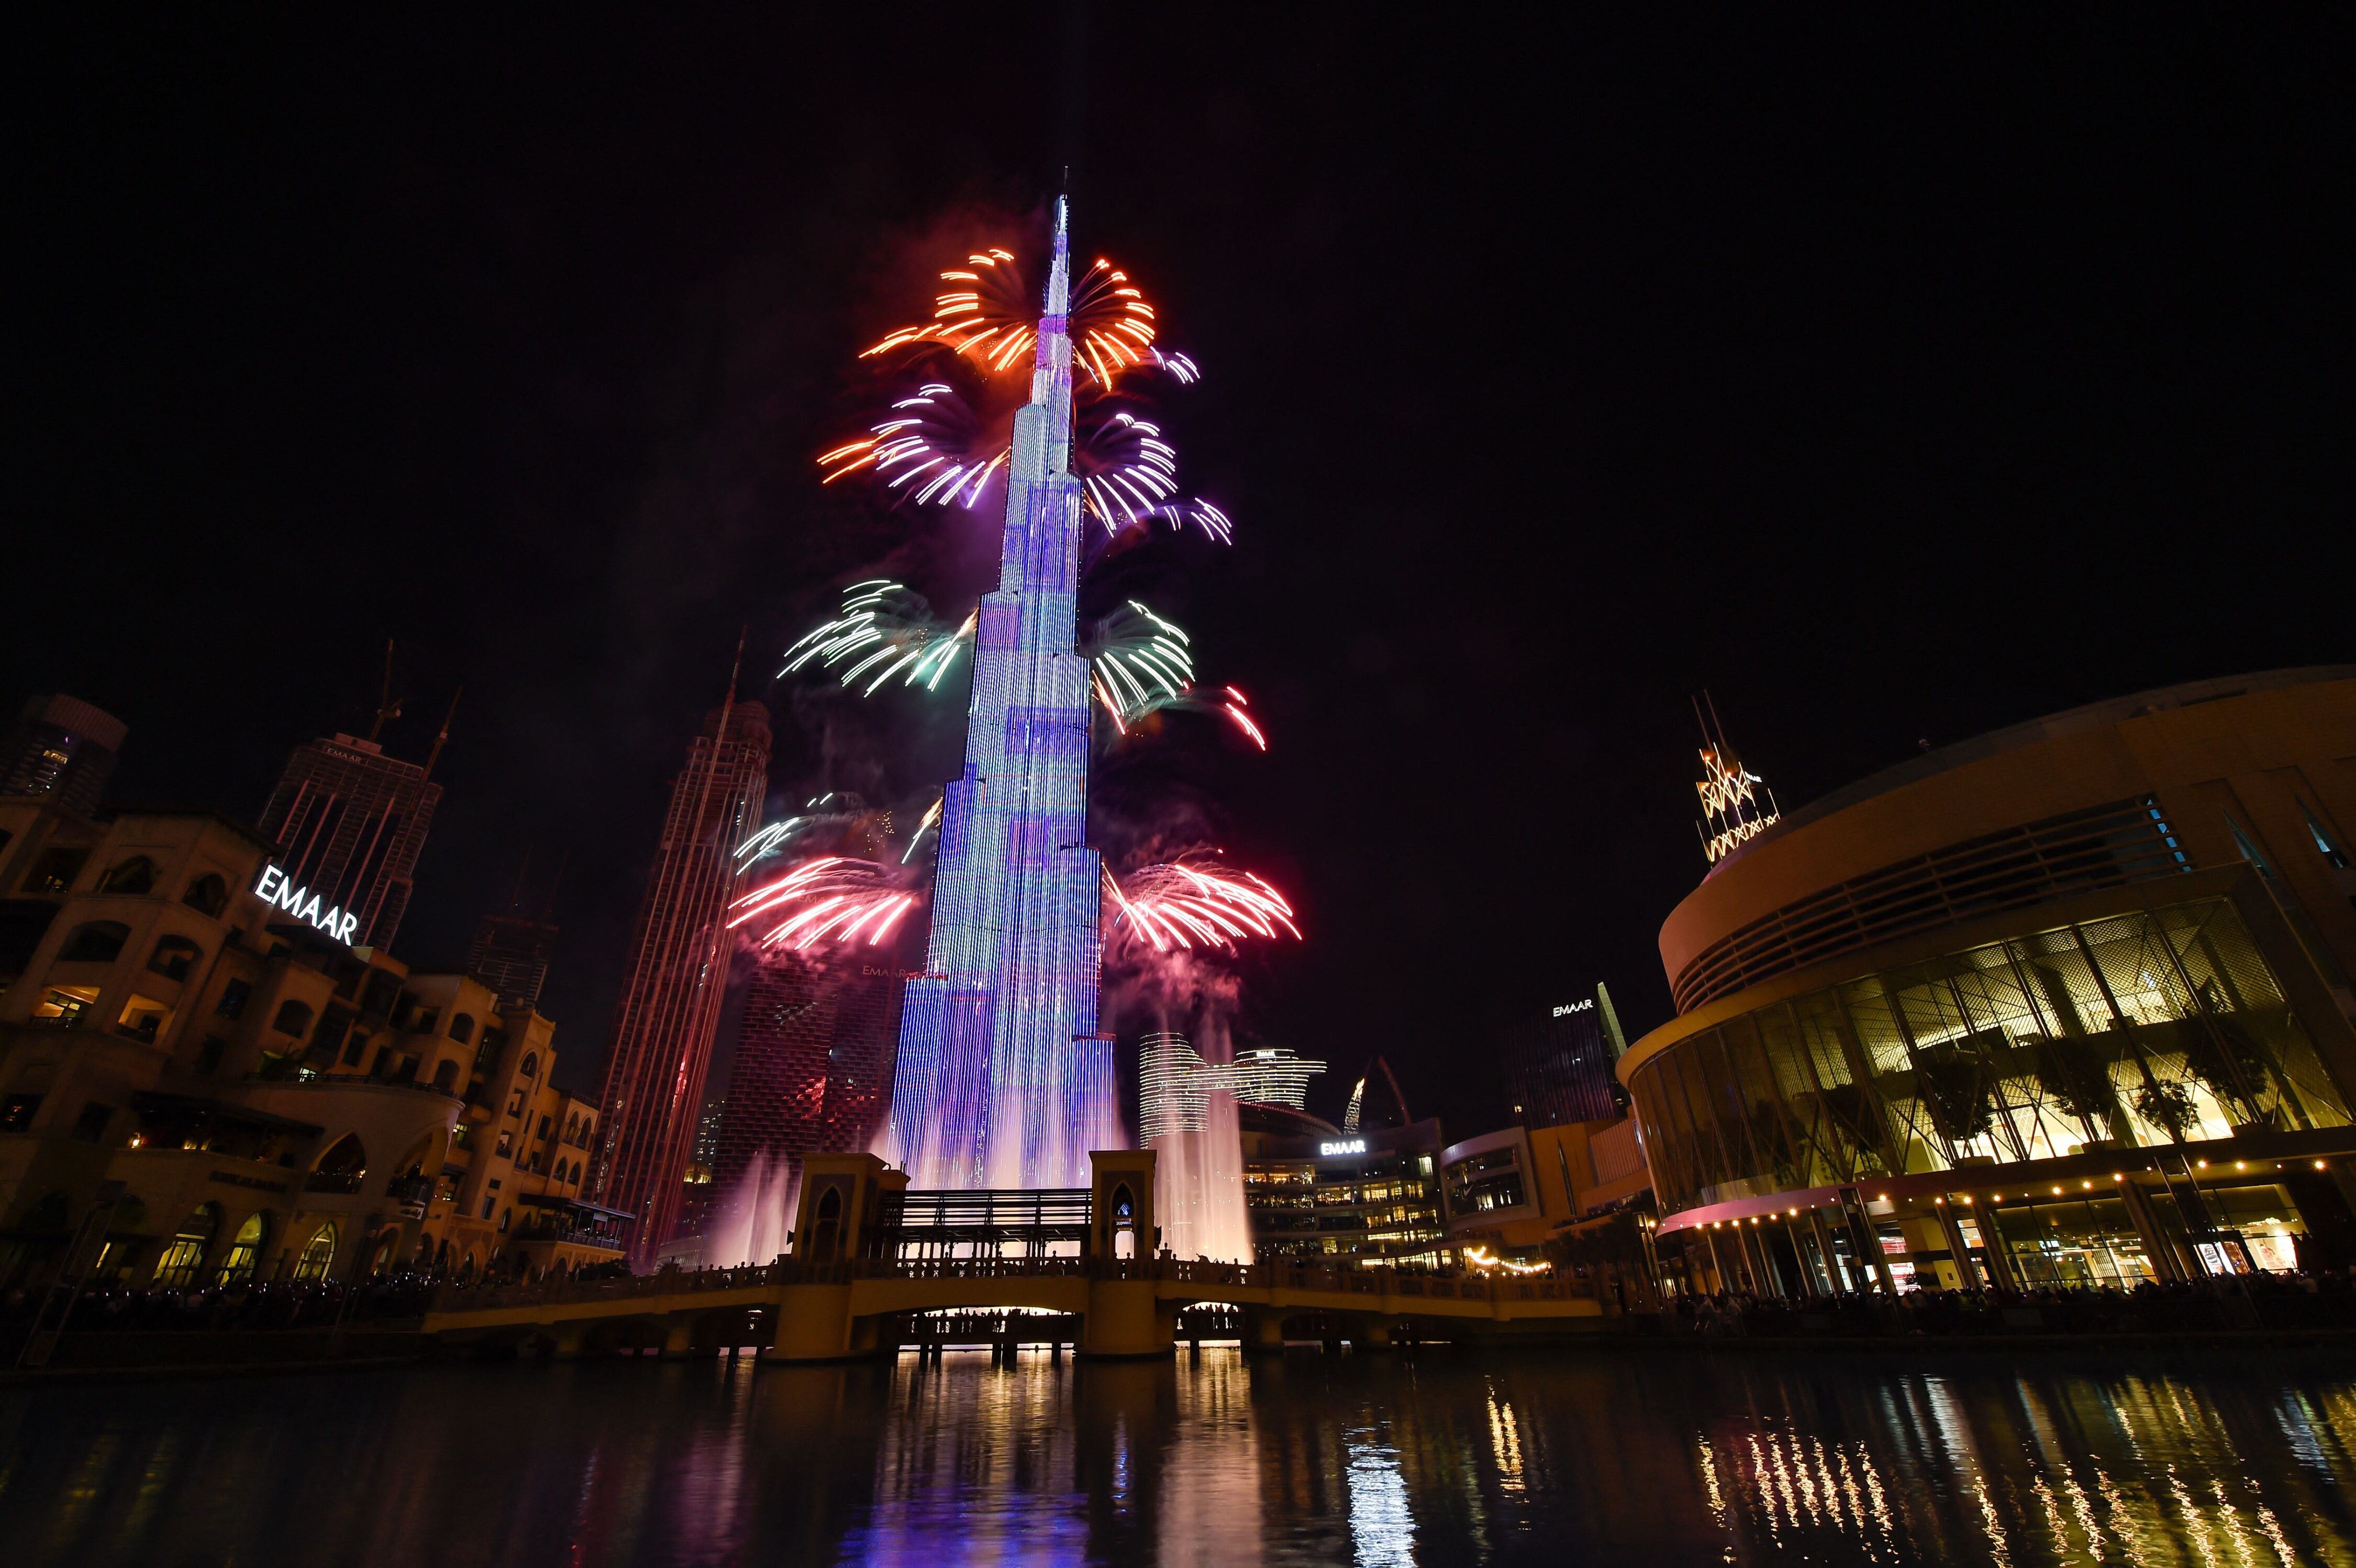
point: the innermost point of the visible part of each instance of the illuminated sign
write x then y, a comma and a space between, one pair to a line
1731, 814
1346, 1146
276, 888
1569, 1007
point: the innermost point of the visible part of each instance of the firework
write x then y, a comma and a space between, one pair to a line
832, 898
1138, 660
1183, 904
988, 315
884, 630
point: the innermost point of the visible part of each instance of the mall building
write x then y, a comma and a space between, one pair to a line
2066, 1004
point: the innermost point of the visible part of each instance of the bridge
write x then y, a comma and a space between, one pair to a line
850, 1286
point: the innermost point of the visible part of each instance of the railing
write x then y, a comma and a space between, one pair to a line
1205, 1274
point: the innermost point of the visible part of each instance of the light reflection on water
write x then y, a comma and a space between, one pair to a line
1431, 1461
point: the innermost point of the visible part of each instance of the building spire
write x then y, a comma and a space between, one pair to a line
1059, 273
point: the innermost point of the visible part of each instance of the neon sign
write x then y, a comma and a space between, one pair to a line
1731, 808
279, 890
1568, 1008
1346, 1146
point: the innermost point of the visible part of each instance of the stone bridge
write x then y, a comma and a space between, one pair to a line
826, 1302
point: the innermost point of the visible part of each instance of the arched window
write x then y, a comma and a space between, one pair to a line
136, 874
95, 942
828, 1234
294, 1018
462, 1027
530, 1063
177, 1269
244, 1251
445, 1077
174, 957
342, 1167
1124, 1223
318, 1255
208, 895
467, 1267
505, 1215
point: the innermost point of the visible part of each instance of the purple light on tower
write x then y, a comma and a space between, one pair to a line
1002, 1081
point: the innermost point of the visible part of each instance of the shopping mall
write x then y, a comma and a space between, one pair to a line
2067, 1003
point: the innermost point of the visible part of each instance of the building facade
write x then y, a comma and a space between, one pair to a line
220, 1093
812, 1073
510, 953
60, 749
2064, 1004
1558, 1063
669, 1005
1365, 1200
349, 823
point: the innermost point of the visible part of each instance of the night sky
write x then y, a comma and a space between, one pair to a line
1893, 385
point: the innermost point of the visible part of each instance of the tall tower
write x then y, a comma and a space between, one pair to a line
62, 748
349, 823
813, 1060
670, 998
1003, 1079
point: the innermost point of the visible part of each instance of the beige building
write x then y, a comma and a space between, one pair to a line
192, 1063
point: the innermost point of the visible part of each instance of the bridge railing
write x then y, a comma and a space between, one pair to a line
1194, 1272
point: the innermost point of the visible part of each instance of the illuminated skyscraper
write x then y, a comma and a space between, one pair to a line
1003, 1079
1175, 1083
1558, 1067
813, 1065
670, 998
349, 823
64, 748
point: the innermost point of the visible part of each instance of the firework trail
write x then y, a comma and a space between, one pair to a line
832, 898
884, 630
988, 315
1189, 904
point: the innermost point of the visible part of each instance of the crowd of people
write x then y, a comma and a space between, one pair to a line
2275, 1301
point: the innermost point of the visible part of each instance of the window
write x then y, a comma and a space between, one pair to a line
98, 941
505, 1215
293, 1018
490, 1204
544, 1122
91, 1125
318, 1255
507, 1145
462, 1027
174, 957
340, 1168
132, 876
445, 1077
209, 1055
62, 1007
142, 1018
515, 1104
208, 895
428, 1019
54, 870
233, 998
244, 1251
530, 1063
177, 1269
16, 1111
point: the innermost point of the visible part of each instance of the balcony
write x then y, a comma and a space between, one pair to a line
333, 1181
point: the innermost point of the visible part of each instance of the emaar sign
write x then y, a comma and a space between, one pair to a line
1569, 1007
1346, 1146
276, 888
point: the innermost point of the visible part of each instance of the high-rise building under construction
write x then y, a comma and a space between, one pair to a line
669, 1005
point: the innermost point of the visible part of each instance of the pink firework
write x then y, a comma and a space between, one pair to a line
1183, 904
830, 899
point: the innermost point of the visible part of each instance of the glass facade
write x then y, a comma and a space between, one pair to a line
2131, 1031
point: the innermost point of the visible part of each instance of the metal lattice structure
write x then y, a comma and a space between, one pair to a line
1003, 1078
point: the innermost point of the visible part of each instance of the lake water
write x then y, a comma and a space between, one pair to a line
1646, 1460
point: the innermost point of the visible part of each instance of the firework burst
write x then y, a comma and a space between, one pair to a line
885, 630
1194, 904
832, 898
988, 315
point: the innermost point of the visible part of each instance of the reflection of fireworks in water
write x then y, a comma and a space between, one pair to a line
830, 899
883, 630
990, 314
936, 450
1183, 904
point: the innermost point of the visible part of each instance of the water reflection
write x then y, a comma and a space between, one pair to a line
1431, 1461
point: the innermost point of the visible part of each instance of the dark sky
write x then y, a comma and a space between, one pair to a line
1891, 384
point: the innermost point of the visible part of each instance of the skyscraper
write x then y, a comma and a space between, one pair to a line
64, 748
1003, 1079
1175, 1083
510, 954
349, 823
1559, 1067
813, 1064
678, 973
